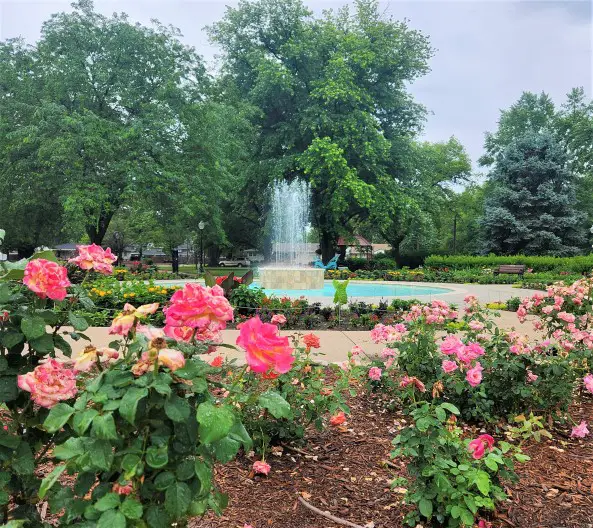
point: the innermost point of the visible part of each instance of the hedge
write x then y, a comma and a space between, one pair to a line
583, 264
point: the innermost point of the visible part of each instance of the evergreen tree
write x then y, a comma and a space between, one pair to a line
531, 209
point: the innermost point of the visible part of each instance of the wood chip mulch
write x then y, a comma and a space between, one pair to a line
344, 471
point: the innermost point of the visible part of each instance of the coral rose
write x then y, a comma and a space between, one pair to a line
264, 348
261, 467
94, 257
172, 359
217, 362
49, 383
338, 419
47, 279
278, 319
311, 341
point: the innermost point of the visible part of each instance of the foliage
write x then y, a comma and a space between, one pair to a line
578, 265
449, 485
229, 282
531, 207
340, 295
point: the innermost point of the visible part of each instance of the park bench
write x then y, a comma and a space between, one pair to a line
510, 269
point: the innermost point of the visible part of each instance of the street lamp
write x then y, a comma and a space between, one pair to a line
201, 227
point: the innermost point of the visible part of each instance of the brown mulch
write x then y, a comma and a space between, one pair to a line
344, 471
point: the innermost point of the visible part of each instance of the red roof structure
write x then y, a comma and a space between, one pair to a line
363, 248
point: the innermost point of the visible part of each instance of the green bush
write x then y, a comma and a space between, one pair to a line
580, 265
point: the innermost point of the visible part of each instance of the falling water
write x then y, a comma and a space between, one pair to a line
290, 220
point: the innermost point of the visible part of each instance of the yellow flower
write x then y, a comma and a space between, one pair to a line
125, 295
102, 294
132, 294
109, 292
150, 289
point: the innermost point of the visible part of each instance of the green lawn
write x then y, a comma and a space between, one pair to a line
190, 269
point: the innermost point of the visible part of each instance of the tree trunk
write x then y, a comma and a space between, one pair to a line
328, 245
96, 232
25, 251
395, 243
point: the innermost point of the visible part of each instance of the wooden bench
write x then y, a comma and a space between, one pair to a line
510, 269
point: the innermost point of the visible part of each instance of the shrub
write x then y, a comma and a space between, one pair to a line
448, 485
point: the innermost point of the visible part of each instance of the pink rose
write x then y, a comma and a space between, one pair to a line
547, 309
49, 383
476, 326
588, 381
264, 348
278, 319
566, 317
531, 377
387, 352
94, 257
197, 306
474, 375
470, 352
375, 373
477, 447
451, 345
413, 380
580, 431
449, 366
356, 350
47, 279
261, 467
338, 419
124, 321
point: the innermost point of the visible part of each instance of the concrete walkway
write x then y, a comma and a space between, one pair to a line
335, 344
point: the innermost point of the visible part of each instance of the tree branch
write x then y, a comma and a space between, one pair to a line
327, 515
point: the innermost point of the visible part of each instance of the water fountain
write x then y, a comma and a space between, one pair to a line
290, 219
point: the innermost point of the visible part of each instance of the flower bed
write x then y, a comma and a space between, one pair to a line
129, 434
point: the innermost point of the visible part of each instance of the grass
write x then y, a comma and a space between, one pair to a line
190, 269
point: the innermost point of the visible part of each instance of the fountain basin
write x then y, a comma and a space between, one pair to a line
291, 278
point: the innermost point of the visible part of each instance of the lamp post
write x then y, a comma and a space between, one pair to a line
201, 227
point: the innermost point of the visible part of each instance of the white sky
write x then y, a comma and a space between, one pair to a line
488, 52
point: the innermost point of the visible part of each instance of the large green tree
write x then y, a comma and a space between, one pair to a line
331, 94
96, 107
530, 208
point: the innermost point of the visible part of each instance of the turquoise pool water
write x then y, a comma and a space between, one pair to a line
362, 290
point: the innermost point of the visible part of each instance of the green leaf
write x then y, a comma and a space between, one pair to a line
8, 388
129, 403
57, 417
156, 517
104, 427
276, 404
50, 480
522, 457
482, 481
491, 464
12, 338
78, 322
441, 414
163, 480
425, 507
131, 508
84, 483
185, 470
177, 499
43, 344
130, 462
82, 420
240, 434
226, 449
102, 454
69, 449
450, 407
33, 326
23, 462
157, 457
61, 344
46, 254
177, 409
467, 517
112, 519
108, 502
204, 473
215, 422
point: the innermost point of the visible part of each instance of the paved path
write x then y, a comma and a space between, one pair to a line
335, 344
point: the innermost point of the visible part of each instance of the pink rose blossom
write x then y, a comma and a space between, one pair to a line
356, 350
47, 279
264, 347
412, 380
451, 345
94, 257
566, 317
531, 377
387, 352
278, 319
580, 431
474, 375
375, 373
477, 447
449, 366
588, 381
390, 361
476, 326
49, 383
261, 467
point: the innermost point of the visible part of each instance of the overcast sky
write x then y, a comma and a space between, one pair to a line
488, 52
